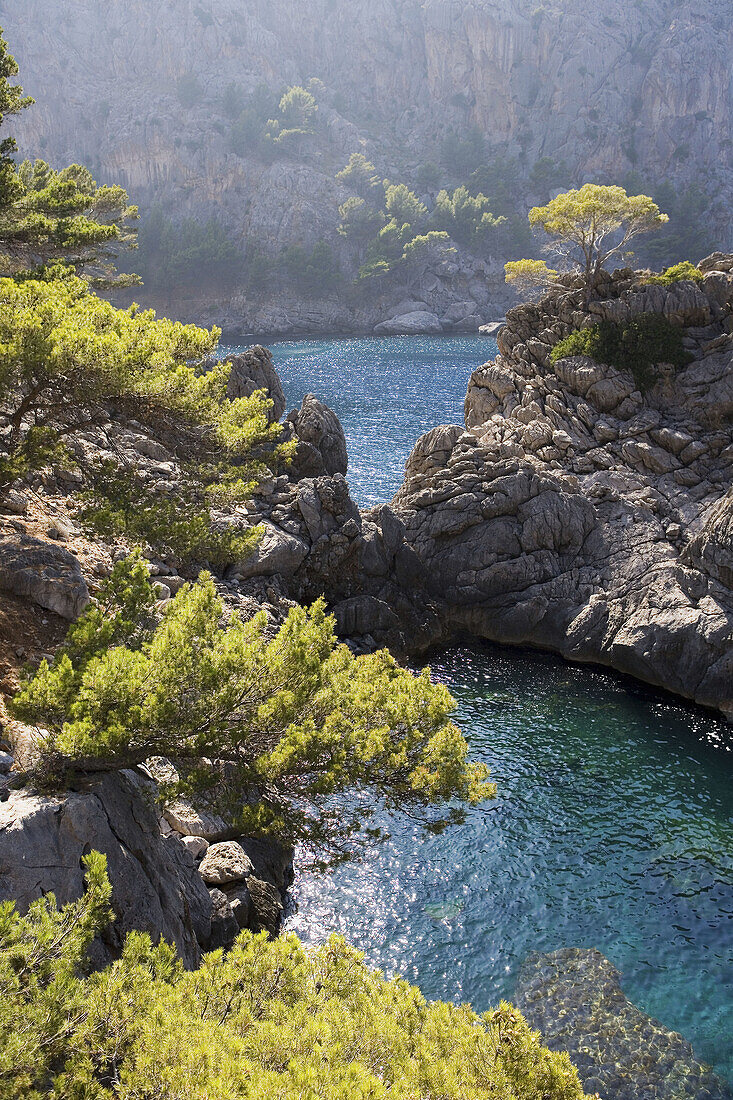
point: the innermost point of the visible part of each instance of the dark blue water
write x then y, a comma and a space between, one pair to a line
613, 827
386, 392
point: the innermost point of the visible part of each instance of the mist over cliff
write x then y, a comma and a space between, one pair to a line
624, 91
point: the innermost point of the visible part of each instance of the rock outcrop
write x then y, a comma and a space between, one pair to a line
43, 572
175, 887
155, 886
254, 370
573, 997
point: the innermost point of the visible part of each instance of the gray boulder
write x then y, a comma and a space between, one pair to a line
277, 552
155, 885
45, 573
225, 862
319, 430
420, 322
254, 370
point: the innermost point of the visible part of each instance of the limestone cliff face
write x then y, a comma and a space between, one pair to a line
607, 89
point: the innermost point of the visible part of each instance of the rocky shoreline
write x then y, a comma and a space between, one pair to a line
571, 511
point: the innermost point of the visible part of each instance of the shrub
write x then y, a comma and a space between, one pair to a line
270, 1020
67, 355
189, 90
636, 345
272, 731
677, 273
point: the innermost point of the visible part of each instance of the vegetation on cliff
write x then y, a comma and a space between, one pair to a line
268, 1020
268, 730
636, 345
588, 227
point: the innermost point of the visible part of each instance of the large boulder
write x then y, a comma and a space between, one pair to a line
420, 322
155, 885
322, 447
254, 370
43, 572
277, 552
573, 997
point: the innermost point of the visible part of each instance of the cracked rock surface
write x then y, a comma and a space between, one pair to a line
572, 511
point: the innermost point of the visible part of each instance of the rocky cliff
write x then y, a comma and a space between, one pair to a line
624, 87
571, 511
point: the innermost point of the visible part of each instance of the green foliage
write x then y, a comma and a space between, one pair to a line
273, 733
362, 177
359, 221
42, 958
48, 217
66, 354
691, 229
186, 252
311, 270
404, 207
298, 109
427, 177
588, 226
297, 119
12, 101
529, 278
636, 346
251, 114
233, 100
269, 1020
548, 173
677, 273
189, 90
466, 218
462, 152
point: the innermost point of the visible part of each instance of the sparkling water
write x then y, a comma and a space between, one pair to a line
613, 825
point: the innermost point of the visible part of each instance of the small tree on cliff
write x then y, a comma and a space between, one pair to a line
589, 226
49, 217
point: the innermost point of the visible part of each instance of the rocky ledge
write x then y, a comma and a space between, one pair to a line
572, 511
573, 997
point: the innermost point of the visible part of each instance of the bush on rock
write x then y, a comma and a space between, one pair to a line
269, 1020
636, 345
272, 732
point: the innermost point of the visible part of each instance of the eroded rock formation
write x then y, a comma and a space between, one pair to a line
575, 512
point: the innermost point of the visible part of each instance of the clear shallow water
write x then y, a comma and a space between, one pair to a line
613, 826
386, 392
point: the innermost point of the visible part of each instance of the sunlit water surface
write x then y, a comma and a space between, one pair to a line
613, 826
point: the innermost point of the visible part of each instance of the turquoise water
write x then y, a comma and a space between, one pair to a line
613, 826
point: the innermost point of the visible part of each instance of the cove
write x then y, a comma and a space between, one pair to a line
613, 826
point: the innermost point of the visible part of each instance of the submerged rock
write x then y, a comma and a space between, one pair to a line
573, 997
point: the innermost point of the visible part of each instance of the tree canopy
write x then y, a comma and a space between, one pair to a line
274, 733
529, 276
66, 355
587, 227
267, 1020
362, 177
47, 217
